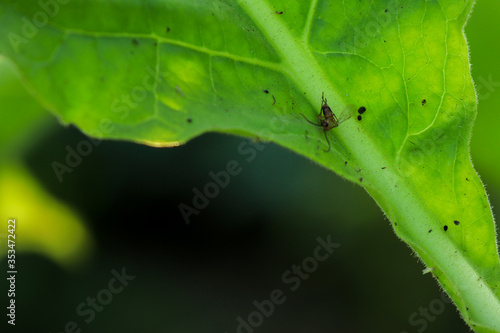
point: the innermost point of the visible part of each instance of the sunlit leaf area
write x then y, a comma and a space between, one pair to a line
160, 167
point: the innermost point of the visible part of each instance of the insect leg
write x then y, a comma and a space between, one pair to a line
311, 121
323, 103
326, 137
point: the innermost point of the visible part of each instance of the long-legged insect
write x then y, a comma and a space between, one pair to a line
328, 120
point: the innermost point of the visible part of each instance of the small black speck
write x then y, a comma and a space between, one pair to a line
266, 91
168, 30
274, 100
359, 118
279, 12
189, 120
430, 231
385, 41
467, 179
360, 179
467, 309
383, 168
345, 163
361, 110
395, 223
386, 10
456, 222
445, 228
423, 102
135, 41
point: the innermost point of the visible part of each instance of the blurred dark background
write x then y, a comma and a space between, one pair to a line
123, 201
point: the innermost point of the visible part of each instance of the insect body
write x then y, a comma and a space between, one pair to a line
328, 119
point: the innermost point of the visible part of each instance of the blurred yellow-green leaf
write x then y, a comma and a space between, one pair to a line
43, 225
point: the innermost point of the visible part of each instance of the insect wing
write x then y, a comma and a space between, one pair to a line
348, 111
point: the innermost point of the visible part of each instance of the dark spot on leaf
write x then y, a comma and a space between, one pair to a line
155, 44
411, 142
274, 100
396, 223
189, 120
467, 308
359, 118
361, 179
135, 41
361, 110
266, 91
383, 168
386, 10
279, 12
467, 179
430, 231
385, 41
168, 30
345, 163
423, 102
456, 222
445, 228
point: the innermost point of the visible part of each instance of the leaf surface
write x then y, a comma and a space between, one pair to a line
164, 72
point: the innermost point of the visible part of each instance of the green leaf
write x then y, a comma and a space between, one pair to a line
18, 123
163, 72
